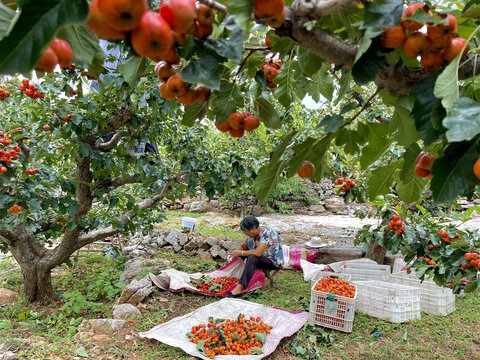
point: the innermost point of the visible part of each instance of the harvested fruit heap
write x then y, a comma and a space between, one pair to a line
396, 225
336, 287
433, 47
30, 90
238, 122
214, 286
347, 184
230, 337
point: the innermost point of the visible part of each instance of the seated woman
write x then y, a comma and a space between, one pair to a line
262, 248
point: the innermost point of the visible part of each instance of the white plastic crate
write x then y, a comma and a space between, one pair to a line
389, 301
433, 298
365, 272
331, 311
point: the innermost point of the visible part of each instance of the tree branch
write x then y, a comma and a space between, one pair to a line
112, 143
215, 5
109, 231
317, 41
367, 103
25, 149
116, 183
317, 8
121, 117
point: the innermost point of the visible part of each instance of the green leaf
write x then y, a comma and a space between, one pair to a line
453, 172
268, 174
226, 100
230, 48
464, 124
406, 133
267, 113
261, 337
378, 143
381, 180
132, 69
286, 80
243, 9
35, 29
446, 86
383, 14
318, 156
256, 350
344, 82
82, 352
84, 44
203, 70
472, 12
5, 324
332, 123
366, 67
8, 17
309, 63
471, 286
194, 112
301, 151
349, 140
280, 44
411, 189
323, 80
201, 346
409, 158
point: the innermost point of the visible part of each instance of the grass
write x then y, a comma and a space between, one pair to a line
51, 329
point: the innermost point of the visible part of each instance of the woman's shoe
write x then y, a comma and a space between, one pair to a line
230, 295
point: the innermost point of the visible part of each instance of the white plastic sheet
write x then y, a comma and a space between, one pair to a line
174, 332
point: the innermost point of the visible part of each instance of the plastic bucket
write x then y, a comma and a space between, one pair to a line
188, 224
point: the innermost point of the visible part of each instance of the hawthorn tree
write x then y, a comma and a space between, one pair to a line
257, 56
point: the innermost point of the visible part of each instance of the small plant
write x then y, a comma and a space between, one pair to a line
310, 341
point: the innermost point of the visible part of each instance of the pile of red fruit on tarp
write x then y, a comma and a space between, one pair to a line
214, 286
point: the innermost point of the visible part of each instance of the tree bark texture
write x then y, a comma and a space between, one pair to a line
376, 252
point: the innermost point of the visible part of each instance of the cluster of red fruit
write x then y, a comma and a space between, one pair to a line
15, 209
433, 47
427, 260
447, 238
231, 337
30, 90
67, 117
31, 171
238, 122
336, 287
306, 170
396, 225
347, 184
59, 52
473, 261
152, 34
4, 94
173, 86
424, 164
271, 69
214, 286
6, 155
271, 12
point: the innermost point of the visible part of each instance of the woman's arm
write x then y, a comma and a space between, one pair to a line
258, 251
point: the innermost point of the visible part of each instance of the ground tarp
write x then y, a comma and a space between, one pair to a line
174, 332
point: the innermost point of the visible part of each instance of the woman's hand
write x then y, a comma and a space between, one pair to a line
235, 253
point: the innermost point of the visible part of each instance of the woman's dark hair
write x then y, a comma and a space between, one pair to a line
249, 222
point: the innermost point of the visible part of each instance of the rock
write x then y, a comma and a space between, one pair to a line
8, 355
211, 241
177, 247
182, 239
198, 207
132, 288
147, 240
476, 201
160, 240
101, 326
190, 246
202, 254
317, 208
122, 311
128, 249
173, 236
218, 252
141, 294
214, 203
229, 244
7, 296
335, 204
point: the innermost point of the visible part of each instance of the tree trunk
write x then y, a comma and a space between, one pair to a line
376, 252
37, 284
